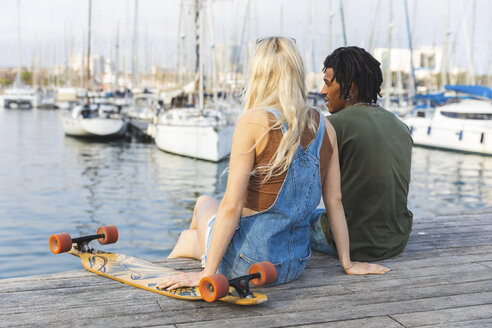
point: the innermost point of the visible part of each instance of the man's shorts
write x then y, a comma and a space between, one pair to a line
317, 240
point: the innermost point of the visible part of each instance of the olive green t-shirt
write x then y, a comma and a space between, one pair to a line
375, 150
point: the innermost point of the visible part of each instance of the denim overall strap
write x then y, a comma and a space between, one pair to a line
315, 147
278, 115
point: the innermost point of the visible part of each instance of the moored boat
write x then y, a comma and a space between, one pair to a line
462, 124
189, 132
19, 98
99, 121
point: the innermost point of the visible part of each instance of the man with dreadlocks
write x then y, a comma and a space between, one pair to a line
375, 150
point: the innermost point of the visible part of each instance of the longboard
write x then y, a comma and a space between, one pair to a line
146, 275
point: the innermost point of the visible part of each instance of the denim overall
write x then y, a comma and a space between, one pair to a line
280, 234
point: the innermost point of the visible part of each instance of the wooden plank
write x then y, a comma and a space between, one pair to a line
435, 280
471, 225
446, 316
375, 322
487, 264
463, 324
401, 278
408, 254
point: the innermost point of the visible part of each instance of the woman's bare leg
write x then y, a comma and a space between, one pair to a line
191, 242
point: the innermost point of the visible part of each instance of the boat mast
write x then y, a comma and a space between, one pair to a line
199, 51
489, 70
444, 60
88, 69
413, 87
66, 58
471, 70
117, 58
180, 46
135, 47
330, 26
81, 72
342, 18
35, 68
281, 15
387, 82
310, 52
213, 54
374, 24
18, 78
472, 47
245, 38
70, 53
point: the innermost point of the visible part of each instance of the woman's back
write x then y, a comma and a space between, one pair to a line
261, 195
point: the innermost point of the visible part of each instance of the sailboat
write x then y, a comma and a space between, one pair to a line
460, 124
94, 119
19, 95
98, 120
197, 132
143, 109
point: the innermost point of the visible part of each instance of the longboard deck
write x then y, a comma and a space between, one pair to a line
145, 275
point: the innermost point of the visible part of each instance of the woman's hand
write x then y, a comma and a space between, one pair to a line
365, 268
187, 279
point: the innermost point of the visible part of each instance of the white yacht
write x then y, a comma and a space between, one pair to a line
21, 98
97, 120
188, 132
46, 99
144, 108
464, 125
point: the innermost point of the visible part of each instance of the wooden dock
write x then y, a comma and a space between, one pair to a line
442, 279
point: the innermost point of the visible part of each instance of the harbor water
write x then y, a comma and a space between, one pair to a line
50, 183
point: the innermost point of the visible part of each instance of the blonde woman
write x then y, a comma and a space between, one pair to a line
284, 157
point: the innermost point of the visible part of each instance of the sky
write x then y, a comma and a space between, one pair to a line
50, 28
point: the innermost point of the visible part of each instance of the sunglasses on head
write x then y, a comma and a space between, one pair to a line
259, 40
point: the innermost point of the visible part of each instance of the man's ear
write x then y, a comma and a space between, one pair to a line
354, 90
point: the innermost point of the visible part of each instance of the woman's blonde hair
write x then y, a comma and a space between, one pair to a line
276, 79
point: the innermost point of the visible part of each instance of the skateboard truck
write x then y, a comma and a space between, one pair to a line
241, 284
62, 242
82, 243
216, 286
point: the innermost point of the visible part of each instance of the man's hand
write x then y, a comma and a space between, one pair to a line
359, 268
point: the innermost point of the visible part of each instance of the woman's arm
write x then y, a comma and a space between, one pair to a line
229, 212
230, 208
332, 197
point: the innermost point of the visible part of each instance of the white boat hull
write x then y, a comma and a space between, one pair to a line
202, 142
452, 133
18, 102
93, 127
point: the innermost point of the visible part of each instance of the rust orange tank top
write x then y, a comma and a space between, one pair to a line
261, 195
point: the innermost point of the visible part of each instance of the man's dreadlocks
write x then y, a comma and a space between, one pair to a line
354, 64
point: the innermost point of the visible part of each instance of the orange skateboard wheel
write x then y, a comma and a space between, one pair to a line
268, 273
214, 287
110, 234
60, 243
